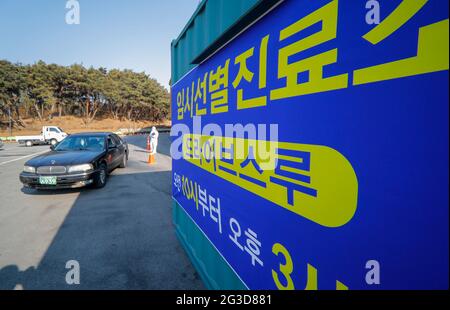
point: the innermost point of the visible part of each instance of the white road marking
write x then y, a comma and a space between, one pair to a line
23, 157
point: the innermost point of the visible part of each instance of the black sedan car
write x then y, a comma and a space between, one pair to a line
78, 160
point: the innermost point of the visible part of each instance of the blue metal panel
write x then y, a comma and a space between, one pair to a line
210, 21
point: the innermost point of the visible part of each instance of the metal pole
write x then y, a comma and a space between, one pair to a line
10, 121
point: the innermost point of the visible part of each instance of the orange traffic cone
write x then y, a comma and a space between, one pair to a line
151, 159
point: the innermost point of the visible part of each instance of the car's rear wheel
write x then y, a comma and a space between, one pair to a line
101, 177
123, 163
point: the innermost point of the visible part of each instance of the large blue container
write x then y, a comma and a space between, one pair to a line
361, 185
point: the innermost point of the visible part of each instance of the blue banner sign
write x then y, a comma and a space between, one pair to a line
313, 147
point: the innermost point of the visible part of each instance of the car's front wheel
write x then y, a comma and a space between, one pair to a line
101, 177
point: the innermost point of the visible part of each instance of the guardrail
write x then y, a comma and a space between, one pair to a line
8, 139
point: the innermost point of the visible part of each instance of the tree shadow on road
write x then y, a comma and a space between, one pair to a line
11, 277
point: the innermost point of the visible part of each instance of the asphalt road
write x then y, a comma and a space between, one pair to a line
122, 235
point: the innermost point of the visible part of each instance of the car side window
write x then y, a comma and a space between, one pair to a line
116, 139
111, 142
54, 130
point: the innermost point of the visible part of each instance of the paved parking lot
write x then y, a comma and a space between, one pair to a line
121, 235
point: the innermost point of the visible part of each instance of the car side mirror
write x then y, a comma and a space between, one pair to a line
112, 147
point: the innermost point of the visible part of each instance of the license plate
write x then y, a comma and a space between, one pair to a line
47, 180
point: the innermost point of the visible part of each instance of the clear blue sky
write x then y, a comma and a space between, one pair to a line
132, 34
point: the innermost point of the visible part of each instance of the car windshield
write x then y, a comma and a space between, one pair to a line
81, 143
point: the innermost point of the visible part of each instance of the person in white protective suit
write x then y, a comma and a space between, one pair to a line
154, 134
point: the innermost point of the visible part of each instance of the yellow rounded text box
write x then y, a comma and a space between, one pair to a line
313, 181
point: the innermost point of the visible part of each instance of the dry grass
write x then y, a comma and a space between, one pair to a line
72, 124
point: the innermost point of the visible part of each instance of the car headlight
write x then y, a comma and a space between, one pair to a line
80, 168
29, 169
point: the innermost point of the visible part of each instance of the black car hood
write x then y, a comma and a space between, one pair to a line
54, 158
